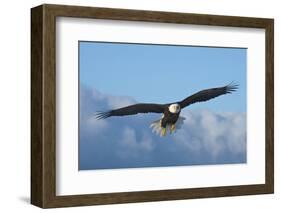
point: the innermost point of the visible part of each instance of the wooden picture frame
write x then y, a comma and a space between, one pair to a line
43, 105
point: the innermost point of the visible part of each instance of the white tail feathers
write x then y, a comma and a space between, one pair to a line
157, 129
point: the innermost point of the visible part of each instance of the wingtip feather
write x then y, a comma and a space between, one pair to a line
232, 87
102, 115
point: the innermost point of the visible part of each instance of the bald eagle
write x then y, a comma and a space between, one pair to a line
171, 118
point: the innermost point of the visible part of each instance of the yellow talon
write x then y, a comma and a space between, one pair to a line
163, 132
172, 128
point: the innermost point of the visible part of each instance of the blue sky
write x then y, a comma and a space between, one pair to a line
114, 75
164, 73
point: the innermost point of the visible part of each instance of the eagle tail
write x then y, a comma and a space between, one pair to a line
156, 127
159, 130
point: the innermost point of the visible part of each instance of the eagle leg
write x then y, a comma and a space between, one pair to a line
172, 128
163, 131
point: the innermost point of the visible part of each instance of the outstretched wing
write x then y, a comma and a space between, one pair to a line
132, 110
208, 94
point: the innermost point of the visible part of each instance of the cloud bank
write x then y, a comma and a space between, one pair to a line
127, 142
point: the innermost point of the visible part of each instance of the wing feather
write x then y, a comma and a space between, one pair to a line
205, 95
132, 110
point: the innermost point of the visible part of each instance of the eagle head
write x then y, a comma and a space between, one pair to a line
174, 108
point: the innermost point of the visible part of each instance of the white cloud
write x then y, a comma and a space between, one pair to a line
97, 126
215, 132
206, 137
130, 146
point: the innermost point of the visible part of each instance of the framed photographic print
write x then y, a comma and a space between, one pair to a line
136, 106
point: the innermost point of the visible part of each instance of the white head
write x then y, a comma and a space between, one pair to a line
174, 108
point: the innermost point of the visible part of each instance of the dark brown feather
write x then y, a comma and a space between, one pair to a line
205, 95
132, 110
